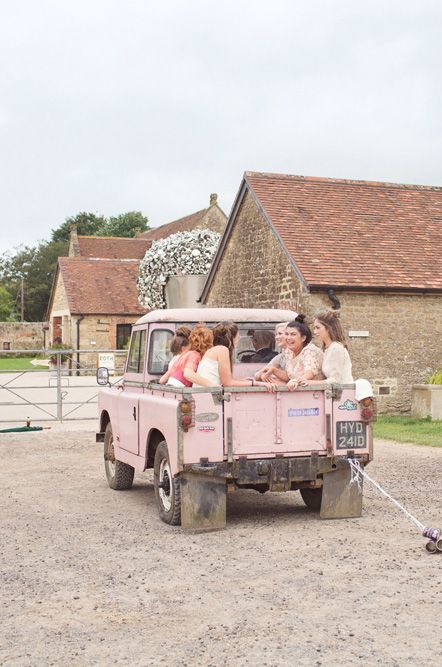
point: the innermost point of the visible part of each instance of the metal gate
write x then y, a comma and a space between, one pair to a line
60, 385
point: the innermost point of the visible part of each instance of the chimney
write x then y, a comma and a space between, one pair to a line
74, 246
213, 199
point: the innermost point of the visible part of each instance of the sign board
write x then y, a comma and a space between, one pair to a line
106, 359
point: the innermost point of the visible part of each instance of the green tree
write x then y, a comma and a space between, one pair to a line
6, 305
126, 224
36, 266
88, 224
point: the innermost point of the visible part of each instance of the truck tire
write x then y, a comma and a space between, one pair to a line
119, 475
167, 488
312, 498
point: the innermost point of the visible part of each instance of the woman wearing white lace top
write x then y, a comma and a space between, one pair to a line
336, 364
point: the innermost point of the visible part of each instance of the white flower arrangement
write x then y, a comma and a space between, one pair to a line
180, 254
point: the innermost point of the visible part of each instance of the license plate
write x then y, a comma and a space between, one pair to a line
351, 435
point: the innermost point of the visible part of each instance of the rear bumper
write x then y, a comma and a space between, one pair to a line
278, 474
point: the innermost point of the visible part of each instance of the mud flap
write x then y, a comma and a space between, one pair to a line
340, 499
203, 502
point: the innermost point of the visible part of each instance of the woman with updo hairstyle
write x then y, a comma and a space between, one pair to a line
200, 340
336, 364
305, 362
215, 368
179, 342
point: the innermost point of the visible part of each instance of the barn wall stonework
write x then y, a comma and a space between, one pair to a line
404, 331
253, 270
21, 335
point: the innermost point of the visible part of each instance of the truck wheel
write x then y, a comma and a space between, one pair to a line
119, 475
167, 488
312, 498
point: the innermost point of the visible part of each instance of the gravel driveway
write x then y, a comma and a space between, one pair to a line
91, 576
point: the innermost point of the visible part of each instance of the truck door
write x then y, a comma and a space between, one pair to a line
128, 399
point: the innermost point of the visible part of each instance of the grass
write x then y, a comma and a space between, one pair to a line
409, 429
19, 364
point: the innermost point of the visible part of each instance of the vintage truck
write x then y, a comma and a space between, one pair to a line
205, 442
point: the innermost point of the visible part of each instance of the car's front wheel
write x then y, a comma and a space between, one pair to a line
119, 475
167, 488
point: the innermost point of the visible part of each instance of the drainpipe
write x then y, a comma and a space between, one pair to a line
79, 319
334, 299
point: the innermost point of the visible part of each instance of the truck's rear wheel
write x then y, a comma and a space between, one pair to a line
167, 488
119, 475
312, 498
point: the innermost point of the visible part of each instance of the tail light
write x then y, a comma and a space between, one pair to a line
186, 414
368, 409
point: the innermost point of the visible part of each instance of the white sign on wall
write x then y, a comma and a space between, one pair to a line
106, 359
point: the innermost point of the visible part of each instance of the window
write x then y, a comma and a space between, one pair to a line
123, 336
159, 351
247, 342
135, 360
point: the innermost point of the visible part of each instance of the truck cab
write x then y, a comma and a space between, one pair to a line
204, 442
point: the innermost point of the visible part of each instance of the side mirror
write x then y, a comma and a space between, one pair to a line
102, 375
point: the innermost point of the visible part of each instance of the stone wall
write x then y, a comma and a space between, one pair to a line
402, 347
99, 331
21, 335
215, 219
253, 271
60, 301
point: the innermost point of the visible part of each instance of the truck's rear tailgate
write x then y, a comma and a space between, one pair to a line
283, 423
349, 431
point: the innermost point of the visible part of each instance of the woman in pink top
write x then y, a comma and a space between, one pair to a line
200, 340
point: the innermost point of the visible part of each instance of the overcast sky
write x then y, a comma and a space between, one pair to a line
117, 105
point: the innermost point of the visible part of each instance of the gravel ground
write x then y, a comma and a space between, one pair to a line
91, 576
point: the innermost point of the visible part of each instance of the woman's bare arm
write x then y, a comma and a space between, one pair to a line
303, 380
163, 379
192, 376
225, 372
280, 374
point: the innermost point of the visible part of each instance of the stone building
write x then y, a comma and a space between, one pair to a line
94, 298
373, 251
212, 218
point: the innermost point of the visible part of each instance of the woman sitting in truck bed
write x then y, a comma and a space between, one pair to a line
200, 340
336, 364
304, 362
266, 373
179, 343
215, 368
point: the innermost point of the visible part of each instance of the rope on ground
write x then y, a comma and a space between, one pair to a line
358, 471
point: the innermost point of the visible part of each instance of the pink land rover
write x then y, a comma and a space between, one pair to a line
203, 442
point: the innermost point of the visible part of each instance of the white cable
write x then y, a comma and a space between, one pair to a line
357, 468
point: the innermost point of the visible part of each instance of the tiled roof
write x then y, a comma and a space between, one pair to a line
186, 224
356, 233
113, 247
101, 286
